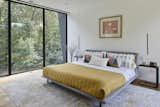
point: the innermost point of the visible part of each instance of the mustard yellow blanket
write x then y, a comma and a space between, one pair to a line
97, 83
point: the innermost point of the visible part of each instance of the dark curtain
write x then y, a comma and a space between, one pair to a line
63, 32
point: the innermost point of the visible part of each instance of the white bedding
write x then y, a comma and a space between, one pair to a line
128, 73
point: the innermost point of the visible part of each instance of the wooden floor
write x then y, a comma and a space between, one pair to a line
146, 84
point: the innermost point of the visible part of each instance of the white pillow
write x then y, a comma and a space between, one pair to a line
99, 61
127, 63
130, 64
120, 62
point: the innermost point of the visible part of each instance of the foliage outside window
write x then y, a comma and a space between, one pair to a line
27, 38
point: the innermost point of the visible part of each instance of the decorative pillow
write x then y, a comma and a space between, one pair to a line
112, 62
87, 58
124, 60
89, 54
98, 61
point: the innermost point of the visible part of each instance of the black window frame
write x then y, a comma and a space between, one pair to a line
10, 35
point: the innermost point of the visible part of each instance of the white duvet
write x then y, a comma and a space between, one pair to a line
127, 73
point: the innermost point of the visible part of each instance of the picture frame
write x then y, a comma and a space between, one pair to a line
110, 27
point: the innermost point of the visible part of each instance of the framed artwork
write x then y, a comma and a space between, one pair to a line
110, 27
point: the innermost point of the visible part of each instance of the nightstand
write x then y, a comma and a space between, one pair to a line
157, 73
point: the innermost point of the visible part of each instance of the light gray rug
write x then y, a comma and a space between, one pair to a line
31, 90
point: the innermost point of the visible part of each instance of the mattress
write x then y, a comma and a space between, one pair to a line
126, 72
95, 82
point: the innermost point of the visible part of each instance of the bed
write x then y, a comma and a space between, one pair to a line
102, 83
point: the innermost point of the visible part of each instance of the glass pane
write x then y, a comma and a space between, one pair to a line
3, 38
27, 33
54, 40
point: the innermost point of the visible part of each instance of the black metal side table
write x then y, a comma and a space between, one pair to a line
157, 73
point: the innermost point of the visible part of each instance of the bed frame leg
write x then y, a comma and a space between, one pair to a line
101, 103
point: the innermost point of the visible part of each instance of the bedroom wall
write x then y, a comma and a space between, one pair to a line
139, 17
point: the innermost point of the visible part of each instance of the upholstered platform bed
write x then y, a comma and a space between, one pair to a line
96, 82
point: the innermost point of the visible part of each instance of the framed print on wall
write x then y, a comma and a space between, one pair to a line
110, 27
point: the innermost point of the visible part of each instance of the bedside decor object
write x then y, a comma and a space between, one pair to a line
147, 36
110, 27
72, 50
157, 72
146, 58
153, 64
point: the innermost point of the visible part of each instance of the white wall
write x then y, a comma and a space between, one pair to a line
139, 17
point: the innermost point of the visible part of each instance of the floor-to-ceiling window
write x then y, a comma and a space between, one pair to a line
27, 33
3, 38
37, 37
55, 37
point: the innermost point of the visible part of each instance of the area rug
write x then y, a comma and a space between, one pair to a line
31, 90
